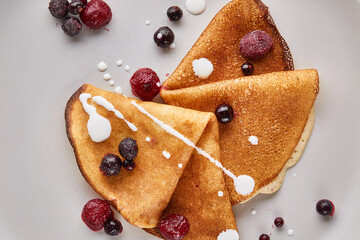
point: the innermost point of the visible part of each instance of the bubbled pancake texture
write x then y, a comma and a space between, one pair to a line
220, 44
274, 107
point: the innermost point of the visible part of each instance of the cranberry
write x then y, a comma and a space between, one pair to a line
279, 222
76, 6
128, 164
58, 8
264, 237
113, 227
71, 26
95, 213
110, 165
96, 14
255, 44
164, 37
145, 84
247, 68
224, 113
174, 13
325, 207
174, 227
128, 148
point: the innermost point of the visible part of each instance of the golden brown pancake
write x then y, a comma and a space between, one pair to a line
140, 195
220, 43
196, 195
274, 107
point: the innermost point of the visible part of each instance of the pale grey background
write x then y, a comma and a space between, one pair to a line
41, 189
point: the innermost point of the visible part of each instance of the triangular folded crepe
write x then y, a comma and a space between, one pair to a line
201, 194
276, 108
220, 43
141, 195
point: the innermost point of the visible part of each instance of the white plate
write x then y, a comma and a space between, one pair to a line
42, 190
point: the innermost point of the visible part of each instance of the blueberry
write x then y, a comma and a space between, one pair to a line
113, 227
58, 8
76, 6
128, 148
279, 222
247, 68
164, 37
71, 26
264, 237
174, 13
129, 165
110, 165
325, 207
224, 113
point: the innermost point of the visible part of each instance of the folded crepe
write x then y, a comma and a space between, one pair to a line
169, 175
220, 43
274, 108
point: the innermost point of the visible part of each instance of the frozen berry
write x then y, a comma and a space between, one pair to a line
279, 222
145, 84
58, 8
255, 44
96, 14
71, 26
174, 13
95, 213
247, 68
110, 165
128, 148
224, 113
325, 207
264, 237
113, 227
76, 6
164, 37
129, 165
174, 227
84, 2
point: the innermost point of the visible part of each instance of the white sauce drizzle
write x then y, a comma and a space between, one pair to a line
195, 6
202, 68
244, 184
229, 234
99, 128
147, 139
220, 193
290, 232
253, 140
166, 154
103, 102
180, 165
102, 66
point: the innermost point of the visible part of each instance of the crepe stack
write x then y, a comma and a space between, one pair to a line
157, 186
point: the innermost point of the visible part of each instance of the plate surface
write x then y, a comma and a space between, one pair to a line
42, 190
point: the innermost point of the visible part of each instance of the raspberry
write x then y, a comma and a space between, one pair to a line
58, 8
145, 84
95, 213
174, 227
96, 14
255, 44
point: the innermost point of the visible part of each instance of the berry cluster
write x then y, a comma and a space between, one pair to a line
94, 14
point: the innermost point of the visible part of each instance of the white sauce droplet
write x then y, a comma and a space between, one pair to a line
172, 46
253, 140
253, 211
147, 139
107, 76
294, 174
111, 82
229, 234
127, 68
220, 193
147, 22
166, 154
119, 62
195, 6
102, 66
159, 36
118, 90
158, 84
244, 184
202, 68
103, 102
290, 232
99, 128
180, 165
